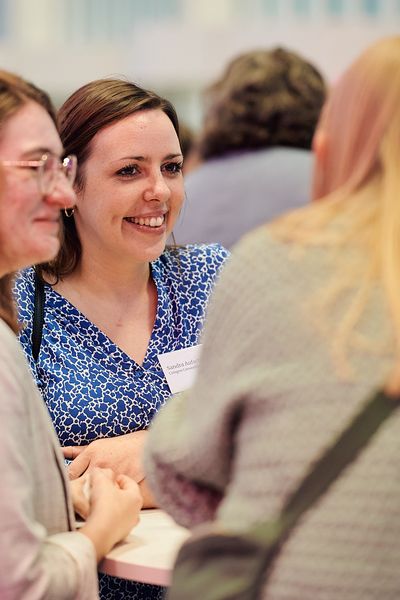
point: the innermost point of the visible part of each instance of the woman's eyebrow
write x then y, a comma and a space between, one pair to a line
39, 150
145, 158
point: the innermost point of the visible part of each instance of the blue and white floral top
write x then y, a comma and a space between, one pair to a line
91, 387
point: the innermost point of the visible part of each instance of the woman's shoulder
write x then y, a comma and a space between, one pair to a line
198, 252
259, 262
24, 282
24, 289
257, 247
11, 356
204, 258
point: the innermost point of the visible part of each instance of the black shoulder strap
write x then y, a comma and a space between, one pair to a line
38, 316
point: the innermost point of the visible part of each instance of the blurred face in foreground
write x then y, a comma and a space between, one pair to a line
30, 210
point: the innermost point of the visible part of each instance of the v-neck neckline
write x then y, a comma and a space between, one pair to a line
110, 346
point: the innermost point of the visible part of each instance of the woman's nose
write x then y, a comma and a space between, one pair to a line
157, 189
62, 193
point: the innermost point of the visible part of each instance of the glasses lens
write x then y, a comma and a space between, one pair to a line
51, 167
69, 165
48, 173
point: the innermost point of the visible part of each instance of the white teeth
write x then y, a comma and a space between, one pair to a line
149, 222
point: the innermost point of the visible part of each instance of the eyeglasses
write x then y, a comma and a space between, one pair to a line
48, 169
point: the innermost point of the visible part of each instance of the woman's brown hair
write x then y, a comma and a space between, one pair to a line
87, 111
264, 98
15, 93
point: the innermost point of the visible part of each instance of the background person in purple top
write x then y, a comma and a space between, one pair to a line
252, 160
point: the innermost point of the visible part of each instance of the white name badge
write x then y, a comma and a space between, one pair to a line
180, 367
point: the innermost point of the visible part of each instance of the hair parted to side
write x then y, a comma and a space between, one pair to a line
87, 111
15, 93
357, 188
264, 98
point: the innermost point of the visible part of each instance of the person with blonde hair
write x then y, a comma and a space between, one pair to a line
42, 555
303, 328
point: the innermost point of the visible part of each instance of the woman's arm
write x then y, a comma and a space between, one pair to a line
34, 562
191, 446
122, 454
40, 556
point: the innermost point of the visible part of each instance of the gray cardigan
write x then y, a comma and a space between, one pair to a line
266, 403
40, 556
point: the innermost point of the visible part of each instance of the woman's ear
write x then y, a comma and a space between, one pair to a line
320, 146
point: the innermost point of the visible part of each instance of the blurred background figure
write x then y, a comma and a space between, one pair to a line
186, 140
252, 160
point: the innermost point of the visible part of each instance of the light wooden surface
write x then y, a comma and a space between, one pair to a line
148, 554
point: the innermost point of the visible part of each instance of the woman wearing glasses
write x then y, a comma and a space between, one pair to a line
115, 298
42, 556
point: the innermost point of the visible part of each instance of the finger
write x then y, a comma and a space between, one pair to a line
72, 452
79, 499
109, 473
125, 482
79, 465
101, 474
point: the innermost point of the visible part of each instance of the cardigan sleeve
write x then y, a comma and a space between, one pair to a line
35, 562
191, 446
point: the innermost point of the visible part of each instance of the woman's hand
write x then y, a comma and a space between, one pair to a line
115, 502
80, 497
122, 454
80, 492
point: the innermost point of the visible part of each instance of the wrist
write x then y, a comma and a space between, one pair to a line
100, 538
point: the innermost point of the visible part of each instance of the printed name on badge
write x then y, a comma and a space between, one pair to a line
180, 367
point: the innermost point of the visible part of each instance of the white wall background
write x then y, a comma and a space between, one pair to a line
178, 46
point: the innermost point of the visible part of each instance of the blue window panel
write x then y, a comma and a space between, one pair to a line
4, 23
371, 7
271, 7
168, 9
335, 7
301, 7
142, 9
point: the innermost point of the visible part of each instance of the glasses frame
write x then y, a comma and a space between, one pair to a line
67, 166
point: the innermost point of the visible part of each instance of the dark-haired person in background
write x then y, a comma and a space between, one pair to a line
252, 159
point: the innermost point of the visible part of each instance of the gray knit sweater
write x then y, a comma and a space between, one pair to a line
266, 403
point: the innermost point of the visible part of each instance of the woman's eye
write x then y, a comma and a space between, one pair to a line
128, 171
173, 167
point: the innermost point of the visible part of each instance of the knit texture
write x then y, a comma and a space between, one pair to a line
266, 404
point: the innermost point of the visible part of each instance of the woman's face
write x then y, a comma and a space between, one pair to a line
29, 221
133, 189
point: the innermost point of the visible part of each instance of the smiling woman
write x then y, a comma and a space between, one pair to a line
116, 298
42, 556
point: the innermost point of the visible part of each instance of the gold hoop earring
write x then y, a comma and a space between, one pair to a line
68, 212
